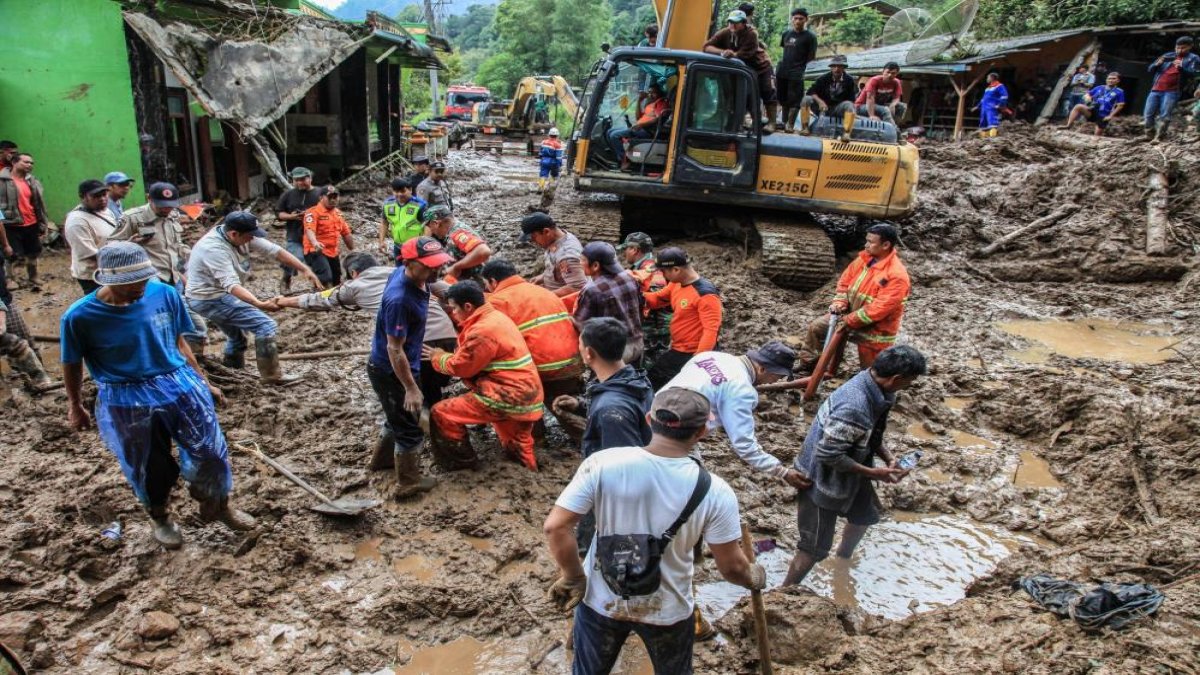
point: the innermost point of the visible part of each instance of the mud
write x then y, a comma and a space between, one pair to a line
457, 580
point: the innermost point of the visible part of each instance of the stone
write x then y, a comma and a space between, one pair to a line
18, 629
157, 626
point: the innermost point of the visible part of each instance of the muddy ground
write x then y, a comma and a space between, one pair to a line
1031, 449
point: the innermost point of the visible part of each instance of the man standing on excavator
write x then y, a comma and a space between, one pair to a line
871, 295
741, 40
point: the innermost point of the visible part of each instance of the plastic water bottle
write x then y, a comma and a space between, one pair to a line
113, 531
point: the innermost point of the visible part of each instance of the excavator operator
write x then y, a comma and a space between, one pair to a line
655, 108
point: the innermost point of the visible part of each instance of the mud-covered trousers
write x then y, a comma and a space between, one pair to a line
452, 416
138, 421
598, 640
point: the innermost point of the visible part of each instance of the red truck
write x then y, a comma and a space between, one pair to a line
461, 98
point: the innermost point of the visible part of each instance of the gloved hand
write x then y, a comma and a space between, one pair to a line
566, 593
758, 577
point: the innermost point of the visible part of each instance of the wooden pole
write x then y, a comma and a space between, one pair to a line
962, 101
1039, 224
1065, 80
1157, 224
760, 613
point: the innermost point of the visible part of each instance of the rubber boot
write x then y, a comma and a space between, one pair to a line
541, 185
28, 363
1150, 131
788, 125
236, 360
266, 353
384, 454
453, 455
704, 630
409, 481
31, 269
772, 115
164, 530
219, 510
1160, 130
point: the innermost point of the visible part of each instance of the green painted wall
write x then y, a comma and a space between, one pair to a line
66, 97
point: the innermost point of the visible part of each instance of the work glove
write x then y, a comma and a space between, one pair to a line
566, 593
758, 577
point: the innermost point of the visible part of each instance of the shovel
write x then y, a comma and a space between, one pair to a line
833, 343
760, 613
345, 507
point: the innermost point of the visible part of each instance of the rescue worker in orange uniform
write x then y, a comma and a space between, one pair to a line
545, 324
870, 299
324, 227
696, 314
504, 388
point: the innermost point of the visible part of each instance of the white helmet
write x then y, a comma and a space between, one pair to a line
553, 131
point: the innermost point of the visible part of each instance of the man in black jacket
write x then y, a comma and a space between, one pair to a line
799, 47
833, 93
616, 403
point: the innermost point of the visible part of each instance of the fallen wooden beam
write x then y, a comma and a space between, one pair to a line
1157, 224
309, 356
1040, 224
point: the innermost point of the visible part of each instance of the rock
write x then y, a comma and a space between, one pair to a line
157, 626
18, 629
804, 628
1180, 314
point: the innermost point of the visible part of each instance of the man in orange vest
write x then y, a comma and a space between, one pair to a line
545, 324
870, 299
504, 388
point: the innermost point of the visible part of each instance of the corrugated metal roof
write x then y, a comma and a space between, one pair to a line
412, 54
882, 7
873, 60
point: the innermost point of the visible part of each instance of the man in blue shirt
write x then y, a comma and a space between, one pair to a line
1101, 104
395, 361
150, 390
991, 106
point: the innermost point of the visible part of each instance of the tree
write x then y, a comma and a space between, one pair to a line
559, 37
858, 27
500, 73
411, 14
472, 30
1006, 18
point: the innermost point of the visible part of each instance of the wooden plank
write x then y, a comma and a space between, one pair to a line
1065, 80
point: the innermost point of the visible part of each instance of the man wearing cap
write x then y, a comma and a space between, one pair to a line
612, 292
562, 272
420, 172
1172, 72
216, 274
464, 244
87, 229
435, 190
870, 299
401, 218
696, 313
155, 226
324, 229
150, 390
550, 156
834, 92
643, 491
23, 207
119, 186
503, 387
638, 251
544, 323
799, 48
739, 39
838, 456
395, 362
289, 210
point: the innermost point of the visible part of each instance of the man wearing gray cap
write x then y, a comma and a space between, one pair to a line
150, 390
216, 289
86, 229
155, 226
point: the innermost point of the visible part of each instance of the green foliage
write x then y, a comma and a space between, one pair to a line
500, 73
544, 37
1006, 18
411, 14
472, 30
858, 27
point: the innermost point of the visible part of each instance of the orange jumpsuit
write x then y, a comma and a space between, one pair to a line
877, 294
505, 390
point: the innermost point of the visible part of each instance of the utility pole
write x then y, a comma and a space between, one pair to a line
431, 29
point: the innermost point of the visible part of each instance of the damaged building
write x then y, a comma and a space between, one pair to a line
217, 96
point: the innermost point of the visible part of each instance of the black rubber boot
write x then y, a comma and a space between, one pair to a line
236, 360
266, 353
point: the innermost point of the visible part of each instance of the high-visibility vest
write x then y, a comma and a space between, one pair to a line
877, 295
543, 321
402, 218
495, 365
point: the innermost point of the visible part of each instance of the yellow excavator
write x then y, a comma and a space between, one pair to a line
709, 156
526, 115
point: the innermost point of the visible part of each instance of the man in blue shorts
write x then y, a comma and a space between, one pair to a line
1101, 104
150, 391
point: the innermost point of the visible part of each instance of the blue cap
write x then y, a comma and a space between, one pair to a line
116, 178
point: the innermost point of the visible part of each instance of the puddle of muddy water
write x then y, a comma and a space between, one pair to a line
1034, 472
916, 558
1089, 339
957, 403
368, 549
961, 438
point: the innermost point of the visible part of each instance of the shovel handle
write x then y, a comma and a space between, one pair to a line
291, 476
760, 612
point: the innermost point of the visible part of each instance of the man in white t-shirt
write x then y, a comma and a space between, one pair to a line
643, 491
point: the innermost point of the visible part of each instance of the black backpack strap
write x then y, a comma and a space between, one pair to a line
703, 482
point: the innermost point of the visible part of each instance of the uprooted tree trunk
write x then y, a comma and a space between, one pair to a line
1157, 223
268, 160
1036, 226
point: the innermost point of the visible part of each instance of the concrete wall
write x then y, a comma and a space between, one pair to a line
65, 95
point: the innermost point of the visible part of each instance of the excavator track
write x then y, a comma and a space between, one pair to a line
796, 255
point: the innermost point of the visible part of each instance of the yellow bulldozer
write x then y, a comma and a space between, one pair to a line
527, 116
709, 156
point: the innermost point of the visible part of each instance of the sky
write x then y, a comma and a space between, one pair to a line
330, 4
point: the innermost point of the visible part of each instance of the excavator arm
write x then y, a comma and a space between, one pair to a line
684, 24
566, 96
